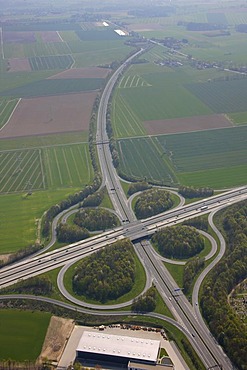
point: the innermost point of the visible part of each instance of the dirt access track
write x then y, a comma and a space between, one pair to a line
48, 115
187, 124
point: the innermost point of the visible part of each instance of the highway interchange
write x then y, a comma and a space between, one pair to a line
187, 316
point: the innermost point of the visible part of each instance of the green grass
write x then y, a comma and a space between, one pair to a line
18, 229
48, 167
222, 96
95, 35
22, 334
55, 87
177, 272
238, 118
6, 108
143, 158
51, 62
138, 287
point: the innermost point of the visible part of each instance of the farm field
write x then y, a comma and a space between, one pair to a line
143, 158
44, 168
51, 62
215, 158
66, 168
6, 108
22, 334
54, 87
46, 115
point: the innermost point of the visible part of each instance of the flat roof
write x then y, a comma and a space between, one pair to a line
149, 367
118, 345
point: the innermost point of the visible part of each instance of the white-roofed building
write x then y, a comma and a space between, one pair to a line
117, 348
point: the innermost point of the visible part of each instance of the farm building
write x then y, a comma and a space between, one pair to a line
118, 349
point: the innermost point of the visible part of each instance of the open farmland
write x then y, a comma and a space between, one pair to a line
22, 334
21, 171
54, 87
51, 62
222, 96
46, 115
44, 168
143, 158
6, 108
188, 124
214, 158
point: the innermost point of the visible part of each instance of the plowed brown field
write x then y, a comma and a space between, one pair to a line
187, 124
53, 114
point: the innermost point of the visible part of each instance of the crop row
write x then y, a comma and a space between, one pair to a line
49, 167
222, 96
51, 62
55, 87
142, 158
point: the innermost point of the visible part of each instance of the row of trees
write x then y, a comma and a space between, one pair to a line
145, 302
107, 274
95, 199
231, 270
37, 285
138, 186
95, 219
178, 241
22, 253
152, 202
191, 269
200, 223
71, 233
190, 192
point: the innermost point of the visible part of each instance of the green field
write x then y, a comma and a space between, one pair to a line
35, 49
22, 334
215, 158
96, 35
51, 62
222, 96
45, 167
6, 108
55, 87
62, 168
143, 158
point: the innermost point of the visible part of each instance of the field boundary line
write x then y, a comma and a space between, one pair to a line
66, 164
132, 115
42, 168
13, 111
157, 144
41, 147
46, 155
57, 32
75, 164
58, 168
2, 51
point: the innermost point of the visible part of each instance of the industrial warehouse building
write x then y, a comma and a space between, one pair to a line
102, 347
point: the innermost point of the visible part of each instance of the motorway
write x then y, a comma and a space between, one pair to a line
188, 318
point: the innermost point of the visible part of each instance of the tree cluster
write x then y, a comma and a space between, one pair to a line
190, 192
22, 253
231, 270
37, 285
107, 274
191, 269
197, 26
95, 219
241, 28
65, 204
178, 241
146, 302
94, 199
138, 186
200, 223
70, 233
152, 202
